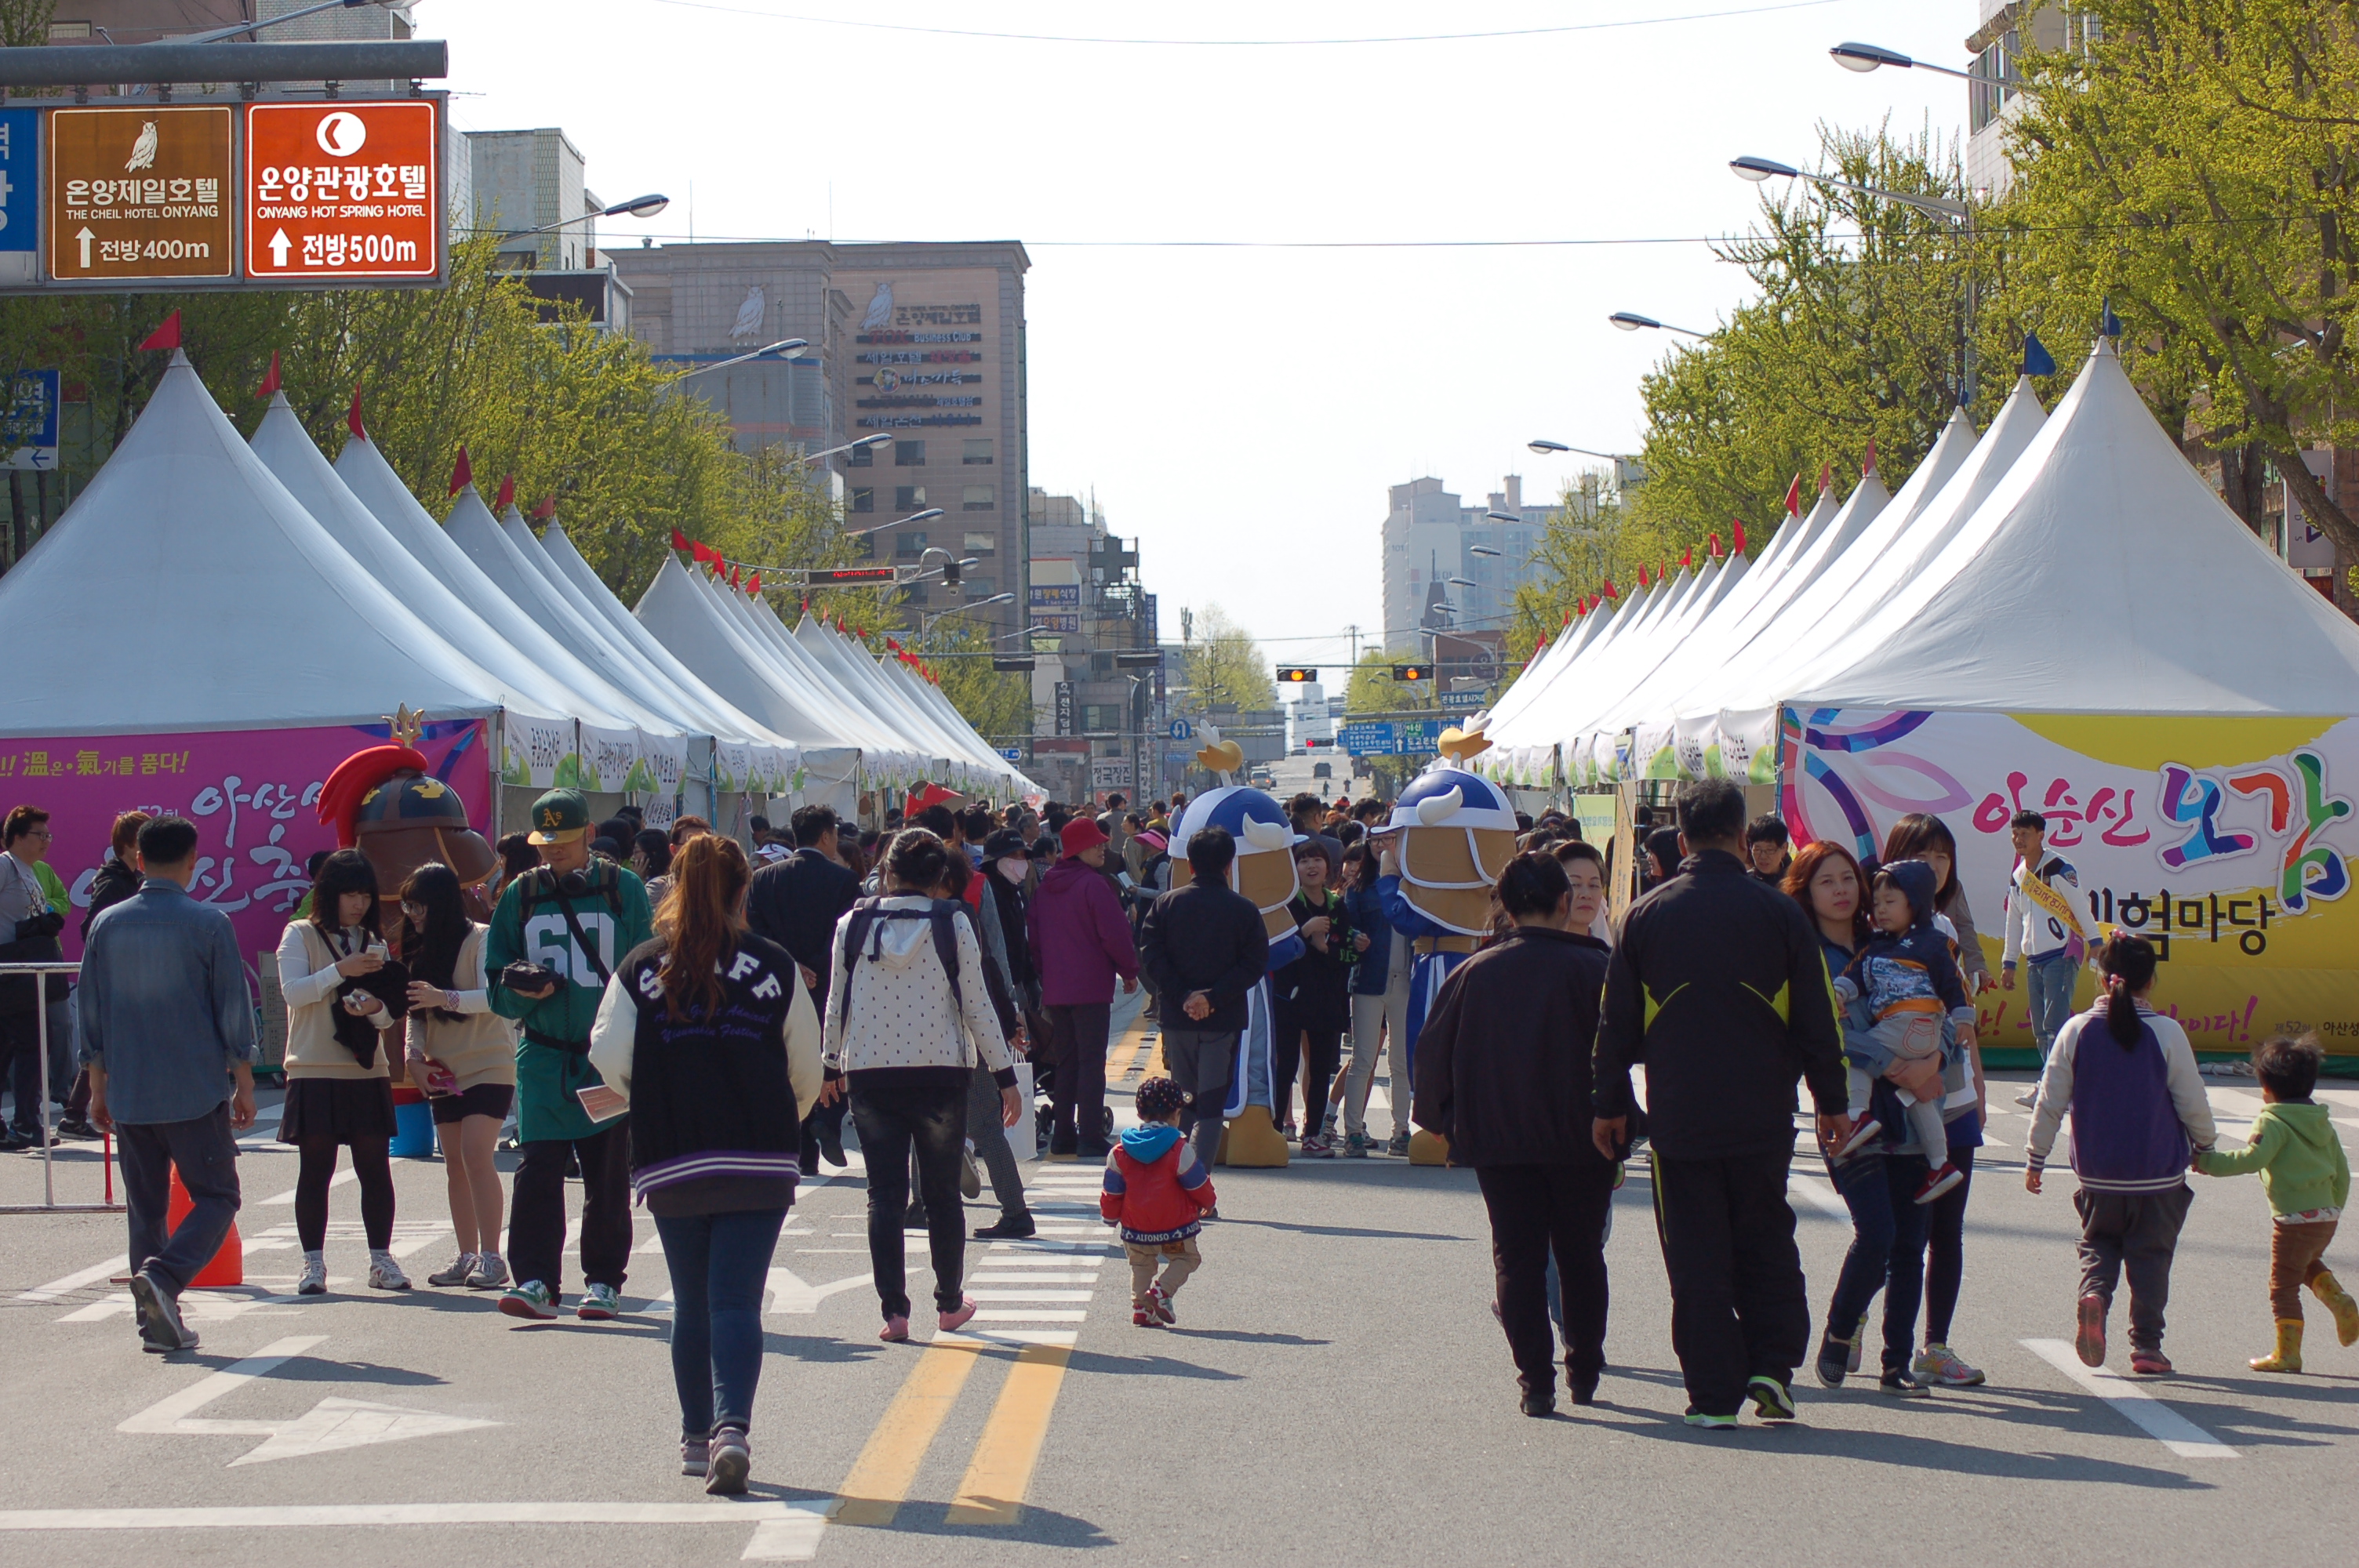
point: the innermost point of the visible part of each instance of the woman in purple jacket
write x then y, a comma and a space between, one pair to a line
1081, 942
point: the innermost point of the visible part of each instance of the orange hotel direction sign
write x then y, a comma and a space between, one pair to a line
345, 190
141, 192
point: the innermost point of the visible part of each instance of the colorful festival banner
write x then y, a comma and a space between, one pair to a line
2227, 841
252, 794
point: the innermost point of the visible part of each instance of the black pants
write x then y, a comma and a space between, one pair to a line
1535, 1209
373, 1164
537, 1208
2135, 1234
1318, 1052
930, 1122
1077, 1045
205, 1150
1738, 1306
1945, 1256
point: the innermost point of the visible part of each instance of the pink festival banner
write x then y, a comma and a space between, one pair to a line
252, 794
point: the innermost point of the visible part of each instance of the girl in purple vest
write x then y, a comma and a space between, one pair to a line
2139, 1117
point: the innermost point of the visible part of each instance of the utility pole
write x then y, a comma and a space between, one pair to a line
1354, 631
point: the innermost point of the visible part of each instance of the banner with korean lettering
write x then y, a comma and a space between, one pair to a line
2228, 841
252, 794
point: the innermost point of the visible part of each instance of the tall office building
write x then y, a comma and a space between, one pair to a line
1452, 566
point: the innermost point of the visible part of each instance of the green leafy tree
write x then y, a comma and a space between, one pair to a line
1222, 665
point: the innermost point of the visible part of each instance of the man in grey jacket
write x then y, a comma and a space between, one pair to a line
166, 1031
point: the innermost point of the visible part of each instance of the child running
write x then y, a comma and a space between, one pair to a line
2308, 1179
1907, 978
1159, 1193
2139, 1109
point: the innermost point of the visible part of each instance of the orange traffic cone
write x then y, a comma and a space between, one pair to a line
228, 1267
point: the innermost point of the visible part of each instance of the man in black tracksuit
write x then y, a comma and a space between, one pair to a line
1204, 948
1719, 989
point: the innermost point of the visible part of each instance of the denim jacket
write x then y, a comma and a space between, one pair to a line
163, 1005
1365, 910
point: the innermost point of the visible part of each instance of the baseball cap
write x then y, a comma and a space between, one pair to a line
1080, 834
559, 818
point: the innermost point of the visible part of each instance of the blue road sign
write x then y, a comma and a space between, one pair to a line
1182, 730
28, 435
1013, 753
20, 179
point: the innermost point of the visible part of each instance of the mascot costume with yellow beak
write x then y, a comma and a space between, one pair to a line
1263, 872
1457, 833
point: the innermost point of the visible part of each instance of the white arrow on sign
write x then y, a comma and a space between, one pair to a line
279, 244
331, 1424
85, 237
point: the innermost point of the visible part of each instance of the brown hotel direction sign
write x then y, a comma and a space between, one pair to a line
140, 193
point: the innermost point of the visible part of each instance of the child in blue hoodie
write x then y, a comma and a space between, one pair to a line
1159, 1193
1905, 980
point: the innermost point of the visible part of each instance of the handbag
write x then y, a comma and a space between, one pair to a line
33, 941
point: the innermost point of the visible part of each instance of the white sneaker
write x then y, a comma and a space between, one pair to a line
384, 1274
314, 1279
462, 1268
2030, 1098
490, 1272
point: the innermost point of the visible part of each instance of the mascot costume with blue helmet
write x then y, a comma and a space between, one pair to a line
1457, 833
1263, 872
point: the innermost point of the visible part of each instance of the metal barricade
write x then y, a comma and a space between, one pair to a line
50, 1204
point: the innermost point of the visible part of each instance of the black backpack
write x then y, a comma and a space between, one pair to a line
940, 913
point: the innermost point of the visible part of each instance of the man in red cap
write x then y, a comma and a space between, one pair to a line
1080, 941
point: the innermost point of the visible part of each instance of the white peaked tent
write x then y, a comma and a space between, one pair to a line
685, 623
2085, 584
859, 675
531, 694
373, 481
888, 755
237, 610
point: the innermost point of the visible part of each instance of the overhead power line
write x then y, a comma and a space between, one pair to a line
1243, 43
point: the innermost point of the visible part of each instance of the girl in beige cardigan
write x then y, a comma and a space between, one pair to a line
464, 1055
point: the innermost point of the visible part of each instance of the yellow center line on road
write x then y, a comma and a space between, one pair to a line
1001, 1472
888, 1466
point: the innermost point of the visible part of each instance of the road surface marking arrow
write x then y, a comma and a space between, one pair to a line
279, 247
789, 1293
331, 1424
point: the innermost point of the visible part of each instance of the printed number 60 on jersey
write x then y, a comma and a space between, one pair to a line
548, 944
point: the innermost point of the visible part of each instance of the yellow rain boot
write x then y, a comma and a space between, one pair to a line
2327, 1288
2286, 1357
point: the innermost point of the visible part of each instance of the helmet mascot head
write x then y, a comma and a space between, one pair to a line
385, 803
1458, 833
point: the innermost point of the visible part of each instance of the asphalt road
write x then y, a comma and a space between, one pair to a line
1336, 1391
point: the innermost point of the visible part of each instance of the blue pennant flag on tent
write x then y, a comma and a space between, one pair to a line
2112, 324
2036, 360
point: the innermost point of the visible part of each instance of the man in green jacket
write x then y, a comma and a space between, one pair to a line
573, 917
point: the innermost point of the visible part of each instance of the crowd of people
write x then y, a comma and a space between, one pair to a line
672, 1019
1747, 967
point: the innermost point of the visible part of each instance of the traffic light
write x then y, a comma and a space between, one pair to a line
1412, 672
1297, 674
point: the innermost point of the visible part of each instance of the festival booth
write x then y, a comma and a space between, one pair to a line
2073, 648
189, 639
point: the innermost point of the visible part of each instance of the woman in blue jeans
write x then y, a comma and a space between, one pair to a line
1879, 1183
707, 1033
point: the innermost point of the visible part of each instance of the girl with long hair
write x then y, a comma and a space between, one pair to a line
707, 1032
464, 1055
2139, 1115
339, 1088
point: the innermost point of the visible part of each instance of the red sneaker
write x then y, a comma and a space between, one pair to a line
1940, 1182
1161, 1304
2089, 1339
1144, 1317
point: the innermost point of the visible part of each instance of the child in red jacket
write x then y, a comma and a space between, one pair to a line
1159, 1193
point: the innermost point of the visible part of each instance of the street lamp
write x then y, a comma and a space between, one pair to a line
1544, 447
1462, 582
926, 623
928, 515
645, 206
861, 445
1487, 549
786, 349
247, 29
1757, 169
1864, 58
1630, 322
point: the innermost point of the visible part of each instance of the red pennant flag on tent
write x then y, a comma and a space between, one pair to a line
462, 473
546, 510
1687, 557
701, 551
1715, 546
1611, 591
352, 416
1644, 582
1739, 526
736, 577
678, 540
893, 643
269, 383
1867, 464
1826, 475
507, 494
1794, 497
167, 336
753, 583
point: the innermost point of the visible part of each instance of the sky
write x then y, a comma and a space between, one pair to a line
1240, 400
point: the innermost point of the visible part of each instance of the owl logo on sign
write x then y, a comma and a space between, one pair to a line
887, 380
143, 151
880, 309
750, 314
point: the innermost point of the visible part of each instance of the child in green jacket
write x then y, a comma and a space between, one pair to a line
2308, 1179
